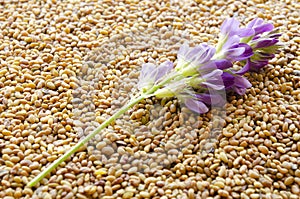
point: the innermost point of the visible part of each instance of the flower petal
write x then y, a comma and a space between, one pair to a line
228, 80
212, 99
245, 68
257, 65
213, 80
266, 43
163, 69
239, 52
263, 28
231, 41
196, 105
207, 53
207, 67
183, 50
229, 26
147, 75
245, 32
215, 64
217, 86
259, 27
214, 74
241, 84
223, 64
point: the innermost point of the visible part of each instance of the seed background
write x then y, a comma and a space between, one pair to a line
67, 65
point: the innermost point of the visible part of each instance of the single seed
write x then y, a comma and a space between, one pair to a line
108, 150
223, 157
50, 85
253, 174
289, 180
263, 149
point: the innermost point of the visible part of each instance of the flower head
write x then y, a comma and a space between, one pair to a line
232, 49
264, 47
203, 72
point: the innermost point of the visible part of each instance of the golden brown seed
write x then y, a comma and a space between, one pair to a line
51, 85
289, 180
253, 174
223, 157
263, 149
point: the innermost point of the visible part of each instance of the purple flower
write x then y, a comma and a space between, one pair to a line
228, 80
213, 80
206, 69
259, 60
244, 69
236, 83
230, 27
221, 64
199, 103
259, 27
190, 59
195, 104
196, 55
264, 34
257, 65
264, 46
214, 99
163, 69
150, 74
239, 52
263, 43
240, 85
235, 51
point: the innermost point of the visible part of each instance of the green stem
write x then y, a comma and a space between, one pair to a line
61, 159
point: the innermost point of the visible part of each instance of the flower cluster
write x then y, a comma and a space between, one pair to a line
203, 72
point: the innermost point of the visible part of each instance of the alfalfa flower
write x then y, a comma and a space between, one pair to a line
194, 103
232, 50
263, 41
229, 46
264, 48
190, 60
151, 74
230, 27
211, 80
184, 90
235, 82
253, 45
258, 26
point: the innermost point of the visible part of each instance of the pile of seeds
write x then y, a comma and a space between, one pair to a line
66, 67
